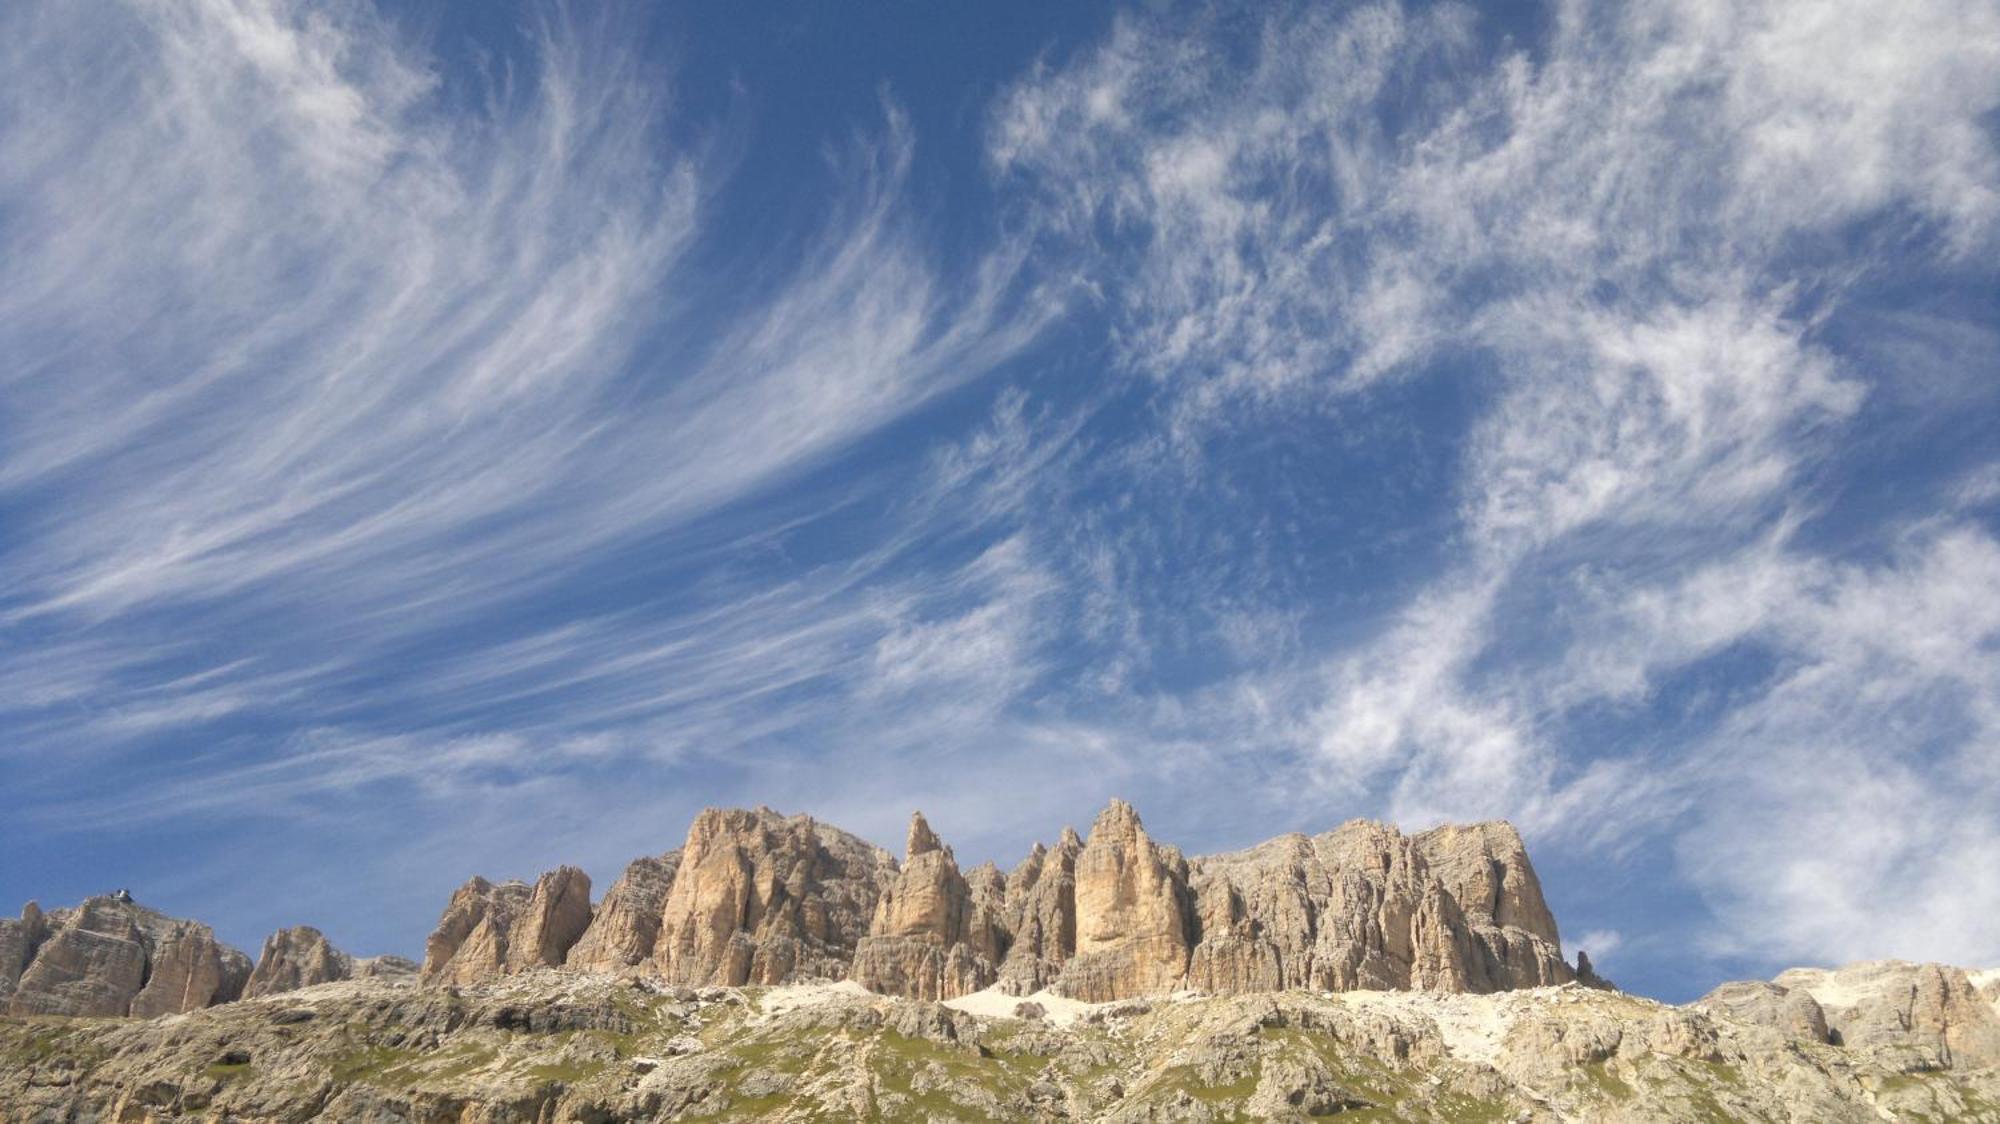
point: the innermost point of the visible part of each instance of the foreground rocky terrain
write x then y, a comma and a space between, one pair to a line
546, 1045
777, 968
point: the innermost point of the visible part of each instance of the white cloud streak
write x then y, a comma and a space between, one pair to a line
1636, 230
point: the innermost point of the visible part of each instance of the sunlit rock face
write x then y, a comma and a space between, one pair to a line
626, 926
753, 897
760, 898
933, 937
112, 956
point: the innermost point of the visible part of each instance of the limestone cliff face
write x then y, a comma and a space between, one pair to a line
753, 897
554, 919
1894, 1002
931, 937
626, 927
1134, 931
110, 956
470, 941
1485, 869
490, 930
296, 958
1038, 908
19, 938
188, 970
1360, 907
760, 898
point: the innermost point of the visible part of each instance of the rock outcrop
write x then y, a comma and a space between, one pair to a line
470, 941
1793, 1013
626, 927
302, 957
187, 970
544, 1046
760, 898
931, 937
756, 897
554, 919
110, 956
19, 938
1133, 926
296, 958
1039, 908
1898, 1003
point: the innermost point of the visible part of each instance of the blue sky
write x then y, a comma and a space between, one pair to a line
470, 438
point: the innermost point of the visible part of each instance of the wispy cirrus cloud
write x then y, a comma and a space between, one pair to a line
1636, 236
1407, 410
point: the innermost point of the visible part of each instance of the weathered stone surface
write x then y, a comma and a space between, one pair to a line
1895, 1002
1132, 913
555, 917
19, 938
296, 958
189, 970
1485, 869
93, 963
755, 897
110, 956
1789, 1011
626, 927
365, 1052
929, 939
470, 941
385, 968
760, 898
1362, 907
1040, 915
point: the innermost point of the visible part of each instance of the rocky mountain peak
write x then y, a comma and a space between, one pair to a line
921, 840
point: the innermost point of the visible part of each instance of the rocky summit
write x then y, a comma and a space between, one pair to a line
774, 967
753, 897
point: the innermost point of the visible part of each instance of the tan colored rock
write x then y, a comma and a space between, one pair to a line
1485, 867
1362, 908
1793, 1013
93, 963
626, 927
555, 917
929, 939
1040, 916
1486, 870
1132, 913
188, 970
1896, 1003
111, 956
760, 898
385, 968
470, 941
18, 941
296, 958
